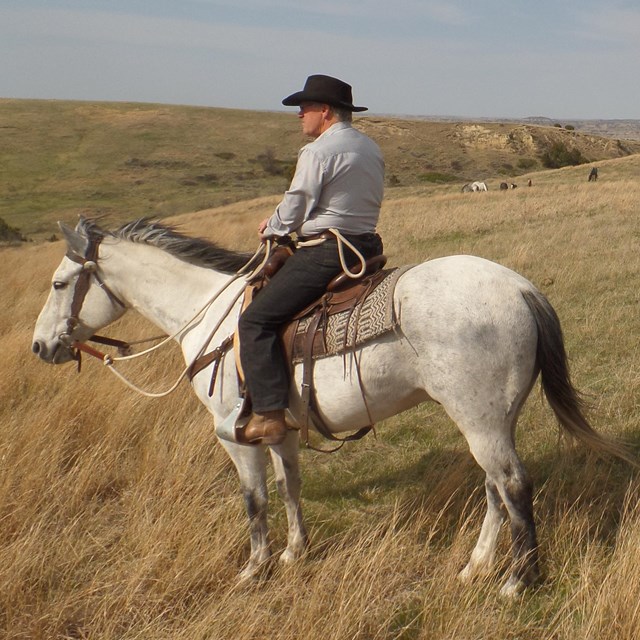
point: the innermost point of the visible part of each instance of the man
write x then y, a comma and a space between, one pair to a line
338, 184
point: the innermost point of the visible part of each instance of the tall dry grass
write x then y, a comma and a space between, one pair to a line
120, 516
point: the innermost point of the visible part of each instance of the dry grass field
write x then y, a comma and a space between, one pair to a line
121, 519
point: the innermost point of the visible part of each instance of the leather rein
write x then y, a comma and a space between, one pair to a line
89, 264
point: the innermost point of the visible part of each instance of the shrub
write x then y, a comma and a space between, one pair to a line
623, 148
527, 163
558, 155
9, 233
270, 163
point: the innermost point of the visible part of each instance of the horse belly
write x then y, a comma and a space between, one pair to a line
387, 378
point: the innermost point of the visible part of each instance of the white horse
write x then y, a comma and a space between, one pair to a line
472, 335
479, 186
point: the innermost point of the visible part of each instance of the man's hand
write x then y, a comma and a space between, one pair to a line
261, 227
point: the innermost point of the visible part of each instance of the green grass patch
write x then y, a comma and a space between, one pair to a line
436, 177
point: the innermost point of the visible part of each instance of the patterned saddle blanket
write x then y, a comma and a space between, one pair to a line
344, 320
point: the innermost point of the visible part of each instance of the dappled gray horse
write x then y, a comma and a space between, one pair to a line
471, 335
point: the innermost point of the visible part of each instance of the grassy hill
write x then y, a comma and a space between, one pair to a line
61, 158
122, 517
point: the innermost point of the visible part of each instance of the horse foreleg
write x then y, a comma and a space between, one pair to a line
286, 467
251, 464
484, 553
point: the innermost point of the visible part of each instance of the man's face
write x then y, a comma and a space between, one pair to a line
313, 117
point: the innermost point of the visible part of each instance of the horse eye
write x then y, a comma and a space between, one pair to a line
57, 285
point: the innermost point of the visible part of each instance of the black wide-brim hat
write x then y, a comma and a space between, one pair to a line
324, 90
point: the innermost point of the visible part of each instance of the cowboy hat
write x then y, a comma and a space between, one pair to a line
325, 90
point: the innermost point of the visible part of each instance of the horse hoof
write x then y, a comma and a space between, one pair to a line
473, 571
253, 572
466, 575
289, 557
247, 576
513, 588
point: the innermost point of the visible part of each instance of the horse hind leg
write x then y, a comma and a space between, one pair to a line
508, 487
517, 494
483, 555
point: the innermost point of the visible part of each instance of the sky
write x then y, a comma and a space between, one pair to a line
563, 59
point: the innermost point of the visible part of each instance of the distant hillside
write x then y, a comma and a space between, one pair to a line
621, 129
124, 160
423, 151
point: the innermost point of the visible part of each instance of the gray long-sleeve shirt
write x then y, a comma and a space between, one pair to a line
338, 183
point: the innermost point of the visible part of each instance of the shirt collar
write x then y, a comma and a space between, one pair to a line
334, 128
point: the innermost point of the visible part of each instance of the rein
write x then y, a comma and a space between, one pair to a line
89, 264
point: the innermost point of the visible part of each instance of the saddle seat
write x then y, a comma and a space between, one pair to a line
343, 293
342, 290
343, 281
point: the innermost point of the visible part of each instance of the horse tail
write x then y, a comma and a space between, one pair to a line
563, 397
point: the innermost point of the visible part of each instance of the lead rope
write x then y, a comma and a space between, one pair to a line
363, 263
341, 242
109, 361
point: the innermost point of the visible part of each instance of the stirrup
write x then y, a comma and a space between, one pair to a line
236, 420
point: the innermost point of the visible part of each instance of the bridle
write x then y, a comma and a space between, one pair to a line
89, 264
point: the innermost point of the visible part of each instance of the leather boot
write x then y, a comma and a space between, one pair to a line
265, 428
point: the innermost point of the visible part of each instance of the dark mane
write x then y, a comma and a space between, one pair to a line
197, 251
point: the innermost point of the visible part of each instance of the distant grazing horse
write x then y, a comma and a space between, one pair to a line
503, 186
479, 186
593, 174
471, 335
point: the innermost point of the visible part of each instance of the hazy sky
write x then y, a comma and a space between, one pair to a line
495, 58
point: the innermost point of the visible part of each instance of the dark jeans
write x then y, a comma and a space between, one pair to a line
301, 280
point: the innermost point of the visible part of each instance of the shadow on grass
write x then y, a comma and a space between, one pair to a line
448, 486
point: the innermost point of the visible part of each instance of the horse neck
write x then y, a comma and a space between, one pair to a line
167, 291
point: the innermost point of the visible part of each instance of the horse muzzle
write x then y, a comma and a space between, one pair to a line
57, 353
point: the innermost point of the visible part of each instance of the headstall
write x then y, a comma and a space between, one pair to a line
89, 264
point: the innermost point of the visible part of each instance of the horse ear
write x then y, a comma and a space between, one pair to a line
75, 241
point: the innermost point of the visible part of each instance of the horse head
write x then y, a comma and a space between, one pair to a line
80, 302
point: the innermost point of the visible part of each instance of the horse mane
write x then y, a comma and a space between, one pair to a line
198, 251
